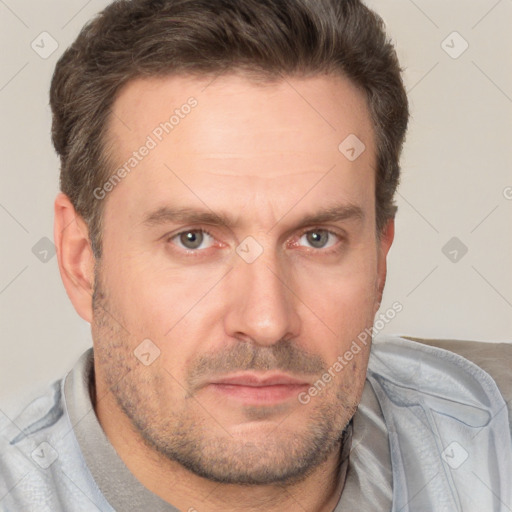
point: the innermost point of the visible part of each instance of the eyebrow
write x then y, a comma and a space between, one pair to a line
167, 215
334, 213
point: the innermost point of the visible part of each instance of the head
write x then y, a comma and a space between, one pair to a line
210, 207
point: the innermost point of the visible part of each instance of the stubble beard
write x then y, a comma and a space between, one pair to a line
189, 434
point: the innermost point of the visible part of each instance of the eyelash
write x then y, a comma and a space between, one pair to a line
336, 248
190, 252
198, 253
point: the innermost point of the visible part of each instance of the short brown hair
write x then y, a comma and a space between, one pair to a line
268, 38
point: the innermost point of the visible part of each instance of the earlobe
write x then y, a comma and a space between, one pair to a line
74, 255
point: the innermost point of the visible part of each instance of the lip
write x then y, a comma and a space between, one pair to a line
256, 380
257, 389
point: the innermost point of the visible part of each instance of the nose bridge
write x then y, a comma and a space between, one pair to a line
262, 308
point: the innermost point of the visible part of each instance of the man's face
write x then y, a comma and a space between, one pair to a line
243, 245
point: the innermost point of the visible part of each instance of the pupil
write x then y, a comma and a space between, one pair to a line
317, 238
192, 239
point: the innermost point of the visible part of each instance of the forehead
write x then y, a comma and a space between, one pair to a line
229, 133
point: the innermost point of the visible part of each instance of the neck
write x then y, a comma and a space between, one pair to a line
319, 491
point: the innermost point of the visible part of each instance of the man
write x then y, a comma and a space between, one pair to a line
228, 172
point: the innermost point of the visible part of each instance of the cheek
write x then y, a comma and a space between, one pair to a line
146, 288
174, 308
344, 294
340, 305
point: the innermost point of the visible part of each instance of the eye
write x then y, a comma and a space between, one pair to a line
319, 238
193, 239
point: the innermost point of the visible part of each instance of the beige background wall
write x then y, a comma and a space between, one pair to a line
456, 186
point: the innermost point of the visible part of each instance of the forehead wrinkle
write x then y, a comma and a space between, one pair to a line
263, 178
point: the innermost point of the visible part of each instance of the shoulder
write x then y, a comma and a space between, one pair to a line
41, 464
445, 403
447, 367
28, 450
493, 358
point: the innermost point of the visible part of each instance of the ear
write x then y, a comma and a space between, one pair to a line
74, 255
384, 244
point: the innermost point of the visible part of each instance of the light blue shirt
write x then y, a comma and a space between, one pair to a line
443, 417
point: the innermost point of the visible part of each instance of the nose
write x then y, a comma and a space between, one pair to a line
262, 307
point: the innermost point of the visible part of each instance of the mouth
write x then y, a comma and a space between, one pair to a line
254, 389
